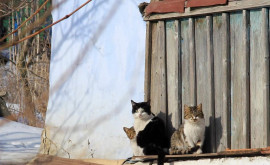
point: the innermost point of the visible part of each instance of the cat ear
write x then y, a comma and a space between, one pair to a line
186, 108
125, 129
199, 107
133, 103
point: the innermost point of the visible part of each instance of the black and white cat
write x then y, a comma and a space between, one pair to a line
150, 131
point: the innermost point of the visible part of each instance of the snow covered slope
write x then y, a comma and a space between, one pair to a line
19, 143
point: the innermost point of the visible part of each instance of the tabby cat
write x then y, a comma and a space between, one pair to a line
131, 134
189, 137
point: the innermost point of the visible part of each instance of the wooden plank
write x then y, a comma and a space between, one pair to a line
267, 79
158, 72
42, 159
221, 46
188, 63
204, 72
173, 62
153, 62
223, 154
232, 6
192, 62
147, 73
259, 59
239, 80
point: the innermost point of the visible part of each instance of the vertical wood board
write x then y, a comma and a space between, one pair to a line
153, 62
158, 73
147, 72
172, 49
187, 64
267, 79
239, 81
259, 52
192, 62
204, 76
221, 79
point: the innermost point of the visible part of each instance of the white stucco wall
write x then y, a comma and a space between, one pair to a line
97, 67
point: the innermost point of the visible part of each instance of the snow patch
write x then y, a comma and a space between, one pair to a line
19, 143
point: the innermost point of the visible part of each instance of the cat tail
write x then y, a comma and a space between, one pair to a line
127, 160
153, 149
161, 159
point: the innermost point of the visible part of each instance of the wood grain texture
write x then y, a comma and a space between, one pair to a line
204, 73
192, 61
267, 79
221, 45
147, 73
232, 6
173, 79
239, 80
188, 63
158, 73
259, 71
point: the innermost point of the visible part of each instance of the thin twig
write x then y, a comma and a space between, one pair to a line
47, 27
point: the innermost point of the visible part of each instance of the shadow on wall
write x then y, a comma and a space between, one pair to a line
207, 148
168, 122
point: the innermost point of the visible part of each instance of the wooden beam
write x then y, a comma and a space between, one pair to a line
232, 6
223, 154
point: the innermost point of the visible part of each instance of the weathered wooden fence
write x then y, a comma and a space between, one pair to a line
220, 60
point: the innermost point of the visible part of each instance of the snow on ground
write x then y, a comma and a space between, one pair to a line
19, 143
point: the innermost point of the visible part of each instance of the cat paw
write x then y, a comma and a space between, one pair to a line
184, 152
177, 152
171, 152
199, 143
199, 151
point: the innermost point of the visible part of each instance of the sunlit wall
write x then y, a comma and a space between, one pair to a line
97, 67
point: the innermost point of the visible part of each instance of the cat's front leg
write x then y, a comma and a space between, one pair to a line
139, 152
190, 142
199, 145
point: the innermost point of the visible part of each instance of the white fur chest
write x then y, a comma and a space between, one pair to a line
194, 132
140, 124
